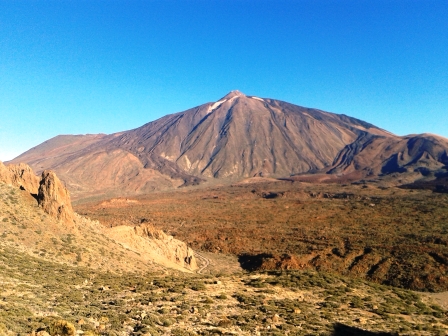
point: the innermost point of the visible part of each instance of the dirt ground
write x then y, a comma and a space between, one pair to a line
439, 298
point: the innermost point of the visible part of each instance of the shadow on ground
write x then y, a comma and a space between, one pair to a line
251, 262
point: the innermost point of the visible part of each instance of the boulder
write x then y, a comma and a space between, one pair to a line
54, 198
22, 176
5, 175
19, 175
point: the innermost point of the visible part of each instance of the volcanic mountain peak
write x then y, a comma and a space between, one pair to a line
235, 137
236, 94
232, 94
229, 100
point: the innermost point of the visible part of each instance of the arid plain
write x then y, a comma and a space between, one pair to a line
391, 235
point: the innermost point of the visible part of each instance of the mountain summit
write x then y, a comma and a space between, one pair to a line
235, 137
234, 93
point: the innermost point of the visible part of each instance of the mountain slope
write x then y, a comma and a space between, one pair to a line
371, 155
241, 136
52, 150
237, 136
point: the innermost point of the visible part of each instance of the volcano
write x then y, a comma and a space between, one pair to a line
238, 136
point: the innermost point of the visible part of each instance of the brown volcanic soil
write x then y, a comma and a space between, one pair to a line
392, 236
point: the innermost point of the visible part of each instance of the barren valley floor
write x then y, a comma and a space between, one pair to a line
391, 236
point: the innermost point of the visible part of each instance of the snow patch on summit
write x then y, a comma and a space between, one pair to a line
233, 98
216, 105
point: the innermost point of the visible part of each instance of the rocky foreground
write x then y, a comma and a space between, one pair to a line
42, 297
37, 217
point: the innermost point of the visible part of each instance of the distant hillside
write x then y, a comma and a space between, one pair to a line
236, 137
371, 155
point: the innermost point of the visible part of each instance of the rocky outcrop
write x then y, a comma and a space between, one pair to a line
154, 244
146, 242
54, 198
175, 250
5, 176
22, 176
51, 194
19, 175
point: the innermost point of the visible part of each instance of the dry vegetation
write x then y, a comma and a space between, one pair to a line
51, 277
388, 235
36, 294
26, 227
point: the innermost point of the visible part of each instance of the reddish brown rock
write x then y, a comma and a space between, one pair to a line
173, 249
22, 176
19, 175
280, 262
54, 197
5, 176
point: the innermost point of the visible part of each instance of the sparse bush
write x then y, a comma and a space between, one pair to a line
167, 322
181, 332
198, 286
62, 328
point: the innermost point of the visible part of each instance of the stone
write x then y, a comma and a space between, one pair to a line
175, 250
42, 333
19, 175
5, 175
54, 198
22, 176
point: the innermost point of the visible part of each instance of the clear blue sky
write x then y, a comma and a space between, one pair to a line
74, 67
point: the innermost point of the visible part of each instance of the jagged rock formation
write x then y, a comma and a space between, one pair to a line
54, 197
173, 249
236, 137
5, 175
162, 247
51, 194
23, 176
19, 175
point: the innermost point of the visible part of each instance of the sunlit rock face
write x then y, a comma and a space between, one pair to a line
54, 197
